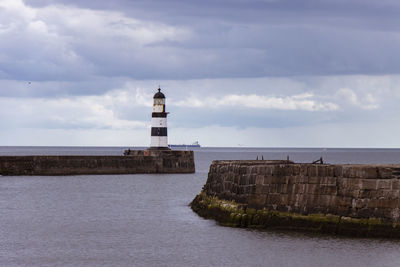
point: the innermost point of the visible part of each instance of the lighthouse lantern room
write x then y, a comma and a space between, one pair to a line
159, 138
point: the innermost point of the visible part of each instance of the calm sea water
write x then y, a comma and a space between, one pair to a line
144, 220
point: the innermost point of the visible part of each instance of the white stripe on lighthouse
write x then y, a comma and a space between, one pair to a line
159, 141
158, 122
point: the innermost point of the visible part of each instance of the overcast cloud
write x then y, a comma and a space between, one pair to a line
256, 73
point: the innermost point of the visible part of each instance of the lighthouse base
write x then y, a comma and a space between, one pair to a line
166, 160
159, 148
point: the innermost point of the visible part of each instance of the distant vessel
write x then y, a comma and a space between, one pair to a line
195, 144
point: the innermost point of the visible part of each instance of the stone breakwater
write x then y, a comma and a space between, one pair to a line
138, 161
361, 200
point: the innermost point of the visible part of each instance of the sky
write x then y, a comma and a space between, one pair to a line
258, 73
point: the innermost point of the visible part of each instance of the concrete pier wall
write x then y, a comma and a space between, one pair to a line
138, 161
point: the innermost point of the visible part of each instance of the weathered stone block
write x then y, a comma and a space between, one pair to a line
222, 169
395, 214
244, 179
273, 188
290, 179
284, 199
330, 171
360, 171
384, 184
265, 189
365, 213
268, 179
303, 170
354, 193
311, 200
369, 184
360, 203
295, 189
324, 200
259, 179
369, 173
350, 183
296, 170
349, 172
338, 172
301, 179
302, 188
367, 193
328, 189
321, 170
290, 188
246, 189
385, 173
282, 188
345, 201
279, 180
259, 189
260, 170
312, 189
371, 203
229, 177
253, 170
282, 170
241, 190
387, 203
252, 179
328, 180
385, 193
274, 199
243, 170
395, 184
269, 170
253, 189
312, 170
227, 186
393, 194
314, 180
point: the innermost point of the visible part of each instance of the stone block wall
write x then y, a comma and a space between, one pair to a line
139, 161
358, 191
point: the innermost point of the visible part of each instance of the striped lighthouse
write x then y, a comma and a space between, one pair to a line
159, 138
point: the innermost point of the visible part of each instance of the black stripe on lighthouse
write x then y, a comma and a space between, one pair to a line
159, 114
158, 131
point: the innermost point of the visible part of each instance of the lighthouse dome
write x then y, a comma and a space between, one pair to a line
159, 94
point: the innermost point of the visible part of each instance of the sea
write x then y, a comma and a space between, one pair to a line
145, 220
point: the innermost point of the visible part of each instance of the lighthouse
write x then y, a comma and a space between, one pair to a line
159, 138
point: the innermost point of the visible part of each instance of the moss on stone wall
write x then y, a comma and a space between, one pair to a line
230, 213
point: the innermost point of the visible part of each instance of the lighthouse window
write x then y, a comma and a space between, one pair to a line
159, 101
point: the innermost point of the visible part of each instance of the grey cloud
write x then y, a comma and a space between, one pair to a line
28, 88
271, 118
233, 39
365, 14
244, 118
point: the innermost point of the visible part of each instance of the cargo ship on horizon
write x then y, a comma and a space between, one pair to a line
194, 145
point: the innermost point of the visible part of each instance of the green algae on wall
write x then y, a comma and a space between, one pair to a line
230, 213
